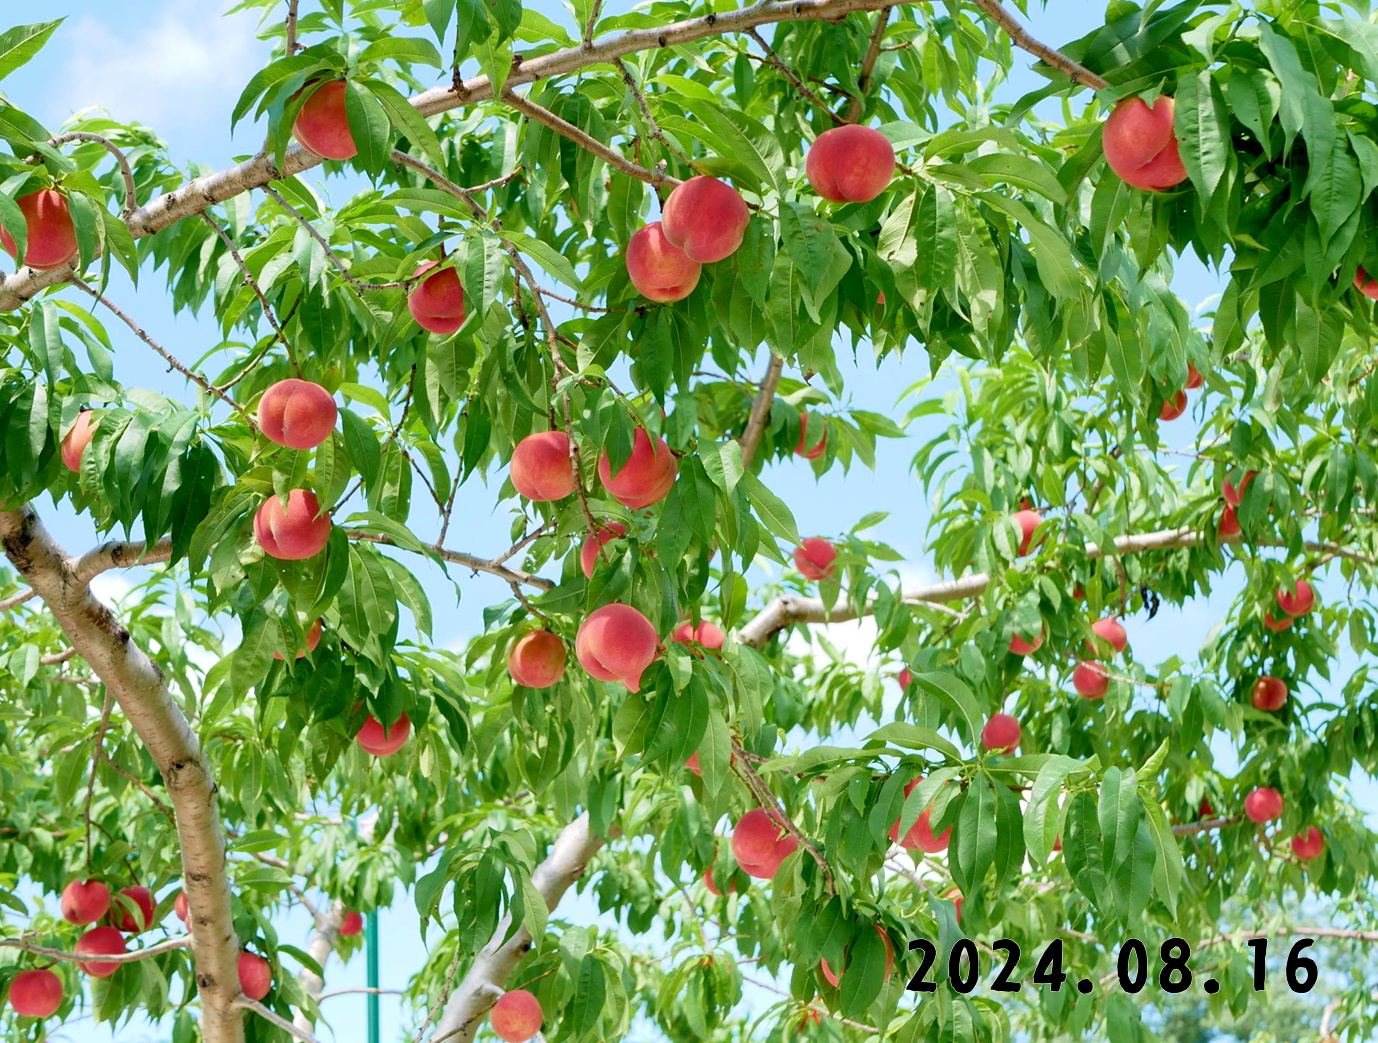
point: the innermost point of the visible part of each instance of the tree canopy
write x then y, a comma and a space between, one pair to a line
608, 270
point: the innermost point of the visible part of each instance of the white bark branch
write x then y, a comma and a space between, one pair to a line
170, 945
320, 947
139, 687
568, 858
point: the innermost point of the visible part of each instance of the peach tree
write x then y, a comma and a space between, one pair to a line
600, 269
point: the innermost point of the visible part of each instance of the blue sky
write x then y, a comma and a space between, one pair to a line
171, 65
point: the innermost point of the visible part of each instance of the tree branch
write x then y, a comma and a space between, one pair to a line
120, 555
180, 942
868, 66
244, 1003
468, 560
586, 142
24, 596
1019, 36
290, 28
140, 689
760, 410
131, 197
322, 944
779, 65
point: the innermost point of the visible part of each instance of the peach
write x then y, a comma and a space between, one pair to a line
616, 643
919, 836
51, 233
352, 925
537, 660
1368, 287
1173, 407
313, 639
1308, 845
957, 903
516, 1016
905, 678
1020, 646
589, 553
713, 887
437, 302
255, 976
36, 994
297, 414
85, 902
322, 126
542, 468
693, 764
298, 532
1109, 631
1235, 496
1269, 693
100, 941
1277, 625
658, 269
850, 164
1194, 377
705, 218
814, 558
836, 979
1090, 680
1207, 809
645, 478
1263, 805
803, 448
1141, 144
76, 440
181, 909
1001, 733
1028, 521
1228, 527
1300, 601
707, 634
760, 843
132, 910
379, 741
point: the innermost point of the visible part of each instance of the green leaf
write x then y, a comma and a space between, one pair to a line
1168, 870
20, 44
403, 115
974, 835
405, 49
547, 257
368, 123
770, 509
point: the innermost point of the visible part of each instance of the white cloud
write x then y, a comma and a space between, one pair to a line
178, 70
111, 588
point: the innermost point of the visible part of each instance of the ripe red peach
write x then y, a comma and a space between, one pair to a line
658, 269
132, 910
51, 233
713, 887
516, 1016
905, 678
1001, 733
803, 448
645, 478
36, 994
1269, 693
322, 126
693, 764
589, 553
1141, 144
76, 440
298, 532
850, 164
373, 738
1308, 845
1234, 496
85, 902
313, 639
1194, 377
541, 467
1368, 287
1207, 808
919, 836
1108, 631
705, 218
707, 634
814, 558
1228, 527
352, 925
1299, 601
760, 843
616, 643
255, 976
1173, 407
181, 909
297, 414
1090, 680
1263, 805
1020, 646
437, 301
537, 660
836, 979
100, 941
1028, 521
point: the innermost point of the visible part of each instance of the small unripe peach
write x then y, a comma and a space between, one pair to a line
589, 553
298, 532
1090, 680
1308, 845
322, 126
645, 478
658, 269
814, 558
99, 941
705, 218
76, 440
1263, 805
1298, 601
1028, 521
1141, 144
516, 1017
1173, 407
1108, 631
541, 467
437, 302
297, 414
850, 164
1269, 693
1001, 733
616, 643
36, 994
49, 228
85, 902
373, 738
537, 660
803, 448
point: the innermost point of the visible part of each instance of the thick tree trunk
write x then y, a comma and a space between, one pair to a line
137, 685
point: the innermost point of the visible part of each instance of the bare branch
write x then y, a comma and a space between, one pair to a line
319, 948
252, 283
1187, 829
586, 142
290, 28
9, 604
779, 65
468, 560
181, 942
244, 1003
868, 66
636, 93
131, 198
760, 410
142, 786
335, 259
120, 555
91, 781
1020, 37
58, 658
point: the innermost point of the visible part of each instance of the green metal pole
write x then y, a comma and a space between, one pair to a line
373, 1033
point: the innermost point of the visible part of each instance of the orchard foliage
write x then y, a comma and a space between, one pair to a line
452, 299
